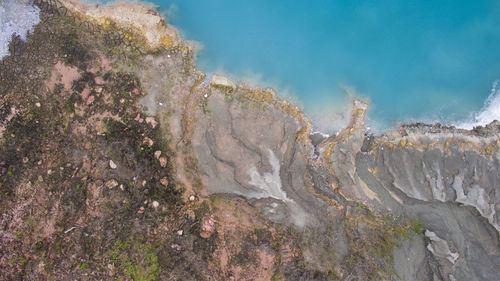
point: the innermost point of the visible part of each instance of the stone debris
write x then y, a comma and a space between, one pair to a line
151, 121
163, 162
157, 154
207, 227
138, 118
112, 164
111, 183
38, 104
90, 100
176, 247
180, 232
164, 181
156, 204
148, 141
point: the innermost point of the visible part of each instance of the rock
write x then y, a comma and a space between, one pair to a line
90, 100
164, 181
157, 154
140, 211
149, 142
179, 232
156, 204
112, 164
163, 162
192, 198
207, 227
38, 104
151, 121
176, 247
222, 81
111, 184
136, 91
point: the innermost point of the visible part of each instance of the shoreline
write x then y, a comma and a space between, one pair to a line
146, 18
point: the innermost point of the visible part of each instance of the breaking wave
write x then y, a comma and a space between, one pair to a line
489, 113
17, 17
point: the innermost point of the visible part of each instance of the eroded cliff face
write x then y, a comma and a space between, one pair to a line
163, 173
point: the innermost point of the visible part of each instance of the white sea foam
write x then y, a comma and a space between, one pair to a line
490, 111
17, 17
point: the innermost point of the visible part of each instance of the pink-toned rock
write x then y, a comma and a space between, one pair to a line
151, 121
176, 247
90, 100
136, 91
138, 117
207, 227
157, 154
141, 210
148, 141
99, 80
164, 181
163, 162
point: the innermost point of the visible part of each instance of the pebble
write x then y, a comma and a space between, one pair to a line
141, 210
90, 100
191, 198
38, 104
180, 232
156, 204
151, 121
157, 154
111, 184
122, 187
112, 164
163, 162
164, 181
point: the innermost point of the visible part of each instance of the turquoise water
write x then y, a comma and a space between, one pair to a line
414, 60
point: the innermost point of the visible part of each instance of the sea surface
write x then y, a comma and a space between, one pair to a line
426, 60
429, 61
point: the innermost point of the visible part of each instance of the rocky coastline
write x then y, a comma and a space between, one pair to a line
120, 159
